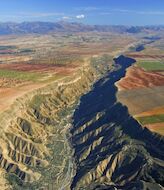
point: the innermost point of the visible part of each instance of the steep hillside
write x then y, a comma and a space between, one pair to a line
112, 150
34, 147
76, 135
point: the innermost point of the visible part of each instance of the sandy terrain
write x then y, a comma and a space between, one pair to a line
4, 82
9, 95
142, 99
155, 111
156, 127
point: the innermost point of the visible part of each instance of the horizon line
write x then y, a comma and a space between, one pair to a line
73, 22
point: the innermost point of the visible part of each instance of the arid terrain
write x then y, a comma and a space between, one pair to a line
81, 107
33, 61
144, 86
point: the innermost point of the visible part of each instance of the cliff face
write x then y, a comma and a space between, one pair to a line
112, 150
34, 146
53, 139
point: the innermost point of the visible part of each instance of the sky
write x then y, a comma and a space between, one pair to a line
108, 12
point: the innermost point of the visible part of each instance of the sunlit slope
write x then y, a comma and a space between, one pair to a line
35, 151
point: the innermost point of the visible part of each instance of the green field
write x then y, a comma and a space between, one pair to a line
20, 75
151, 65
151, 119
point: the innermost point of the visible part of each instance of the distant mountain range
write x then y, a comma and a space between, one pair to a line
47, 27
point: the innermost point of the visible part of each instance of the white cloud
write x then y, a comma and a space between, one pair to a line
66, 18
80, 16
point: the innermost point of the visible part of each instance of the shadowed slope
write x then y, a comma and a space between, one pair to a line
111, 148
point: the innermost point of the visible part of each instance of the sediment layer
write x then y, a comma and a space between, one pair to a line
34, 150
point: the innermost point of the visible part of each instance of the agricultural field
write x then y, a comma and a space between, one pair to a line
154, 122
151, 119
151, 65
81, 95
32, 61
59, 104
142, 89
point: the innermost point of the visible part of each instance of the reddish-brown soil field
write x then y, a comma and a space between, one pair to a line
38, 67
145, 56
11, 89
138, 78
